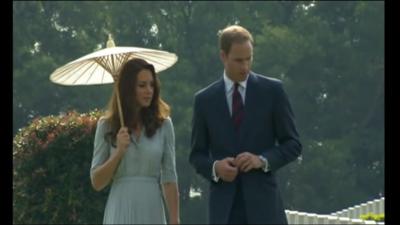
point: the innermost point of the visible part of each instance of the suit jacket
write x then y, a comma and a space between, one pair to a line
267, 129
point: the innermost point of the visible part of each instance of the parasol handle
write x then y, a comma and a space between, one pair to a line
121, 117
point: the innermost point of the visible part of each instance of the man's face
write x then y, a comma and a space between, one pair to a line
238, 61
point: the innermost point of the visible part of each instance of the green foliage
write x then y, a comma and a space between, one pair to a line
328, 54
332, 159
372, 216
51, 182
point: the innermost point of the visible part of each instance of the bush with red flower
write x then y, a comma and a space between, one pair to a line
51, 175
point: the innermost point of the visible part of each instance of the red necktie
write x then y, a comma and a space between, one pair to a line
237, 108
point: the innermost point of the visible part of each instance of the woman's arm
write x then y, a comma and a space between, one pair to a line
102, 175
171, 195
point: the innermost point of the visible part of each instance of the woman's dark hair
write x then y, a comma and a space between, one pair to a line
151, 117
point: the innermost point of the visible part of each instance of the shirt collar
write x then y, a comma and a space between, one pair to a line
229, 83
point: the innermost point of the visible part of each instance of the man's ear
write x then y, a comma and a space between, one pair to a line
222, 56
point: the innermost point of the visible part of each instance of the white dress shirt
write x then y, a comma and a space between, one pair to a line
229, 88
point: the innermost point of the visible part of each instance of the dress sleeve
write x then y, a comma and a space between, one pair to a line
168, 165
101, 150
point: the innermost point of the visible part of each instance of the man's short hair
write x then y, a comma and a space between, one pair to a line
233, 34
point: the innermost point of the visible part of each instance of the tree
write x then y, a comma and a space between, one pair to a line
329, 56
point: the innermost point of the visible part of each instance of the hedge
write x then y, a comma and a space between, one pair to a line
375, 217
51, 164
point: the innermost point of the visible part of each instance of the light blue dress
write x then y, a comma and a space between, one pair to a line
135, 196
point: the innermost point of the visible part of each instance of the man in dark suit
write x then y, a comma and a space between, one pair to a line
243, 132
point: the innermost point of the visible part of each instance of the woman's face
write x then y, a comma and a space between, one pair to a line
144, 88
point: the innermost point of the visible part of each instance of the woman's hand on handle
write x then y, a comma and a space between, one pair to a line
123, 141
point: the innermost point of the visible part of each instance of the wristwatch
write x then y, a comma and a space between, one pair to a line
264, 160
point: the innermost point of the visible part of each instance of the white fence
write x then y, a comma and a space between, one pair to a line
376, 206
348, 216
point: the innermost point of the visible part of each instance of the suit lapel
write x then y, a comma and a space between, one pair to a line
222, 107
250, 106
